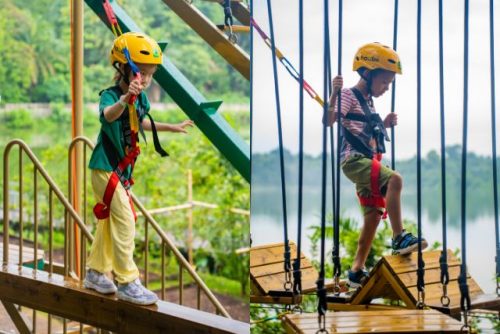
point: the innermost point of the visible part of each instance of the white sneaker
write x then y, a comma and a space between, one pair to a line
99, 282
134, 292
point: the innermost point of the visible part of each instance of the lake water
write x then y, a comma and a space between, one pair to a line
267, 227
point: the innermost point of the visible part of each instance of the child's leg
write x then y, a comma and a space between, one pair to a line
393, 202
372, 219
100, 251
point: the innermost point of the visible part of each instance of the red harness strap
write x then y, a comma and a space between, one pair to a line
376, 199
101, 210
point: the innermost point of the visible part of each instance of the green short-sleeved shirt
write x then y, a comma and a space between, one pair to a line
114, 136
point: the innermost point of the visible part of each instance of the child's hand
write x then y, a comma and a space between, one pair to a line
391, 120
181, 127
135, 88
337, 84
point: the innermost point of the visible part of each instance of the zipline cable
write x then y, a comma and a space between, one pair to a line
287, 265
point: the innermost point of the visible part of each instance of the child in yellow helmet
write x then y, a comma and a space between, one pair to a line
363, 135
112, 164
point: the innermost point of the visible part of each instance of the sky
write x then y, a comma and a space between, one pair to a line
366, 21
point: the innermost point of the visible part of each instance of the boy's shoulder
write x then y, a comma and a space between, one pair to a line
113, 90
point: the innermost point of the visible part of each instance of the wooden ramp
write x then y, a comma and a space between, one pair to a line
67, 298
400, 321
395, 278
267, 275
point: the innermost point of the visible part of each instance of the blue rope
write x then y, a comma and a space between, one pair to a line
287, 265
443, 260
336, 258
297, 283
393, 96
494, 142
320, 283
462, 279
420, 270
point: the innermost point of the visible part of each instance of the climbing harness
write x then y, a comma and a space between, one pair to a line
102, 210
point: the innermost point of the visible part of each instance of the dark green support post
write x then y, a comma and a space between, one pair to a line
190, 100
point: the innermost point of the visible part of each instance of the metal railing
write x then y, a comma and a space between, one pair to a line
53, 189
166, 242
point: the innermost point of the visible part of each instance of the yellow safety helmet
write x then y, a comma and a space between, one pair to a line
142, 49
377, 56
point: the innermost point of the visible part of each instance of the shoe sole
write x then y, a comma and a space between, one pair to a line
92, 286
132, 300
410, 249
354, 285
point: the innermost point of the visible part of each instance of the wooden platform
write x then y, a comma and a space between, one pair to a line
395, 278
28, 256
400, 321
67, 298
267, 275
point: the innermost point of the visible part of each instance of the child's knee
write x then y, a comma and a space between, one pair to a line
395, 182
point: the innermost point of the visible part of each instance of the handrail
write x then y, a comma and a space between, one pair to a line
184, 264
52, 185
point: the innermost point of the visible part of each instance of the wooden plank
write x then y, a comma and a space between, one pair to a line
400, 264
67, 298
275, 282
269, 254
28, 254
410, 321
274, 268
431, 275
362, 307
256, 299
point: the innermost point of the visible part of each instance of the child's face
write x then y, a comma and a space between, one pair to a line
381, 82
147, 71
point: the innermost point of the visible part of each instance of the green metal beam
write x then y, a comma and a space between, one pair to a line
190, 100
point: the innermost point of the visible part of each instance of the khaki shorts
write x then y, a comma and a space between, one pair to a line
357, 168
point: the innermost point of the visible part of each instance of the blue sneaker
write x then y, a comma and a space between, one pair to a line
99, 282
356, 279
406, 243
134, 292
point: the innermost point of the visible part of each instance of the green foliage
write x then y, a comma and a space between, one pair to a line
35, 39
18, 119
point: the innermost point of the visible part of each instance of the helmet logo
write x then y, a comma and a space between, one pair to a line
372, 58
156, 54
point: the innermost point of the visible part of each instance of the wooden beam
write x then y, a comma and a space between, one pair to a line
16, 318
68, 299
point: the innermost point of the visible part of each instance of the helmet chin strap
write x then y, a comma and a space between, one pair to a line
368, 80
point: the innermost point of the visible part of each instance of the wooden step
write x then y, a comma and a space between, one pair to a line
67, 298
28, 257
392, 321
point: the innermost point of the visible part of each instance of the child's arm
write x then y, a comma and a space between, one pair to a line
181, 127
337, 84
114, 111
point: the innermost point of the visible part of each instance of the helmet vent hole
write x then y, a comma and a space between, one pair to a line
391, 61
144, 52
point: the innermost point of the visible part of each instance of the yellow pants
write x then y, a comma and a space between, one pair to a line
113, 246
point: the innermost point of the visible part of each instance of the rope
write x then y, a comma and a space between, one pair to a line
494, 144
286, 63
462, 279
443, 260
297, 282
393, 92
320, 283
420, 270
336, 222
287, 266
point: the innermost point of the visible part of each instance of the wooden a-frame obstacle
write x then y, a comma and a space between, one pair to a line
267, 275
395, 278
